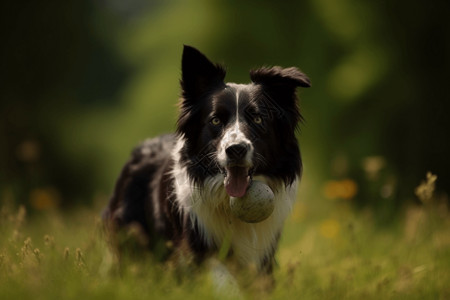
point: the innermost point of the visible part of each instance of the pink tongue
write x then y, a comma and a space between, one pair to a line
237, 181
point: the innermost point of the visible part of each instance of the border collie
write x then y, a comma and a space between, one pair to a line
176, 188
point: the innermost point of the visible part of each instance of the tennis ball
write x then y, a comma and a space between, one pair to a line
256, 205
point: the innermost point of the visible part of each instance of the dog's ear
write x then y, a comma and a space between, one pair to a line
279, 77
199, 74
279, 88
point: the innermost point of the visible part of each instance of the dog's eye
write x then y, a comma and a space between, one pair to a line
215, 121
257, 120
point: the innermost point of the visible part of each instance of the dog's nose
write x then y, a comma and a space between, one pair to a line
237, 151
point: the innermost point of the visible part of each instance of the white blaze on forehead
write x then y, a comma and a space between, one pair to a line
238, 134
234, 135
237, 109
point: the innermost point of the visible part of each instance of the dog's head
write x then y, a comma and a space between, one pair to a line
239, 129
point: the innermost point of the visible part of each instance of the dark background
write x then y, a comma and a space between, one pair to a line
82, 82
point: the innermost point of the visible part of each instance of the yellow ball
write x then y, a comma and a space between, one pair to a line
256, 205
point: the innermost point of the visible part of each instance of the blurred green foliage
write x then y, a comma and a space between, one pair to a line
83, 82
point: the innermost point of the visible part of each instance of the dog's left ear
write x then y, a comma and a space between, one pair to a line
280, 85
279, 77
199, 74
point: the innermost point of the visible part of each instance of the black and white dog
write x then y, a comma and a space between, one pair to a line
176, 188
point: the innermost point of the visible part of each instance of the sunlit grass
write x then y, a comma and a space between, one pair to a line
57, 255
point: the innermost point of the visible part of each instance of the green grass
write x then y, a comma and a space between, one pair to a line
56, 255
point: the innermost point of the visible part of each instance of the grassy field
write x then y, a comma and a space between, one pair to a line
55, 255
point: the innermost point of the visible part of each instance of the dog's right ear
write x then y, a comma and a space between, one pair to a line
199, 74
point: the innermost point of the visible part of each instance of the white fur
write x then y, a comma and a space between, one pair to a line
250, 242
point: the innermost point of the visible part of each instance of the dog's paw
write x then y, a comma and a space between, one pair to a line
224, 284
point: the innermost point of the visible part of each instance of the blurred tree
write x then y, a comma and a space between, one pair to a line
403, 115
51, 63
